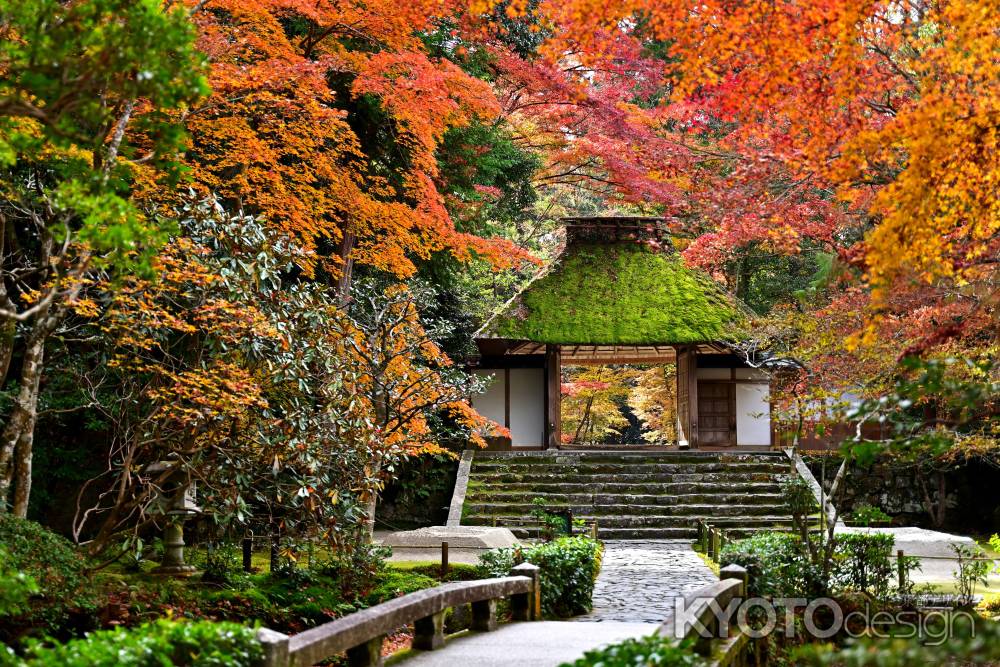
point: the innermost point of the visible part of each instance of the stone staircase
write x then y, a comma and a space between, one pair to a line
631, 495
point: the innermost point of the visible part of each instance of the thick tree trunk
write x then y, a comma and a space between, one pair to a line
17, 439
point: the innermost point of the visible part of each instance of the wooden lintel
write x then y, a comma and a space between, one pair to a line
601, 361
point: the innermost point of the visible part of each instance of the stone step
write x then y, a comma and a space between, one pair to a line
626, 468
637, 521
744, 529
680, 509
646, 533
632, 458
669, 489
503, 479
627, 500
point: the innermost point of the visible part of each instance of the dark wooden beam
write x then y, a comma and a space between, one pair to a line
553, 397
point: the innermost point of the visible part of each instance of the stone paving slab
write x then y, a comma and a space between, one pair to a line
538, 644
639, 580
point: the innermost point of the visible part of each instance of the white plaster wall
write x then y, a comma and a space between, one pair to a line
753, 416
490, 403
527, 407
750, 374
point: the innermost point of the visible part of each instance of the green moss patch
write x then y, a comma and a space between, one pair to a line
620, 294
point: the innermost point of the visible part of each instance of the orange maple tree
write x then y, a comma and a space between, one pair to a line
892, 106
324, 120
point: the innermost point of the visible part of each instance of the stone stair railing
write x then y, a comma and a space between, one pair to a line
362, 633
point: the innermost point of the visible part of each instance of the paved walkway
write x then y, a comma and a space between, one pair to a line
636, 588
639, 580
538, 644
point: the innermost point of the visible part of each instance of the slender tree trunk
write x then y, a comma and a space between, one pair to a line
382, 418
17, 439
7, 331
22, 470
346, 253
8, 327
942, 508
583, 419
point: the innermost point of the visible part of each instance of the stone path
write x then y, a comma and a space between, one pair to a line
639, 580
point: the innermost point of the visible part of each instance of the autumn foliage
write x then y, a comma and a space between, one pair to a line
324, 120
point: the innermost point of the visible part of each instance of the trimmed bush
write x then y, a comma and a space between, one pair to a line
394, 583
16, 588
58, 571
776, 563
569, 567
865, 563
642, 652
163, 643
962, 647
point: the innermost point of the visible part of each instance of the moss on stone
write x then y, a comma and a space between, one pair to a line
620, 294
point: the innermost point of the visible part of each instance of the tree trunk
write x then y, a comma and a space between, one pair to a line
583, 420
22, 470
8, 327
18, 435
7, 331
346, 253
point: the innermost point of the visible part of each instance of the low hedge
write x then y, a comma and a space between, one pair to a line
865, 563
164, 643
642, 652
778, 565
62, 591
943, 641
569, 567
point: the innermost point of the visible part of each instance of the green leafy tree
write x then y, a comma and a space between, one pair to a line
86, 93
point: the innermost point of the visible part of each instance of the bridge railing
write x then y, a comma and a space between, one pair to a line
362, 633
708, 619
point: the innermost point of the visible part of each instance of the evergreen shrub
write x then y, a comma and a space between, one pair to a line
654, 650
569, 567
163, 643
865, 563
58, 572
776, 564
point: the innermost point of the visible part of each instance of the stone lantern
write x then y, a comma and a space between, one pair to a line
177, 503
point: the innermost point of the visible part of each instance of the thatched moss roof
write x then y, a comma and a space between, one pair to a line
619, 294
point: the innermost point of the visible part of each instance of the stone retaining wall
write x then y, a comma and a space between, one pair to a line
897, 491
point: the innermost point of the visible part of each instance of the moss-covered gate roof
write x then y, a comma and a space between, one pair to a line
619, 294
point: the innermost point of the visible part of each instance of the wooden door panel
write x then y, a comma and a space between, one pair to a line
716, 413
